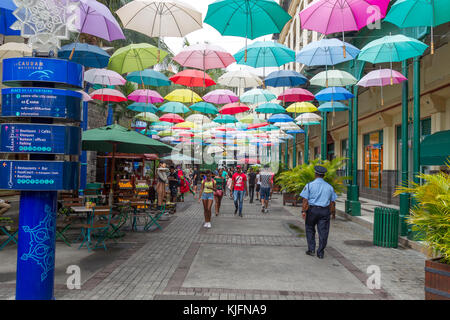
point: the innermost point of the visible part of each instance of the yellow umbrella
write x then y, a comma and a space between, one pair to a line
147, 116
252, 119
183, 96
165, 133
186, 124
302, 107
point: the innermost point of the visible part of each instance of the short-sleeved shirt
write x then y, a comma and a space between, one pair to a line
220, 183
239, 180
224, 174
319, 193
252, 178
174, 183
265, 179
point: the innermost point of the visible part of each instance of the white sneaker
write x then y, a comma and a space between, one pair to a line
208, 225
205, 225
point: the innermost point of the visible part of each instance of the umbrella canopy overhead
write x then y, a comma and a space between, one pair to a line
326, 52
280, 118
333, 106
85, 54
221, 96
172, 118
296, 95
270, 108
204, 57
104, 77
246, 18
333, 78
301, 107
381, 77
126, 141
265, 54
334, 94
108, 95
192, 78
142, 107
178, 157
147, 117
205, 107
184, 96
417, 13
285, 78
146, 96
240, 79
149, 77
255, 96
135, 57
308, 117
233, 108
173, 107
392, 49
160, 18
225, 118
198, 119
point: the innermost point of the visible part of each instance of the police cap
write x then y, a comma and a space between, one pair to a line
320, 170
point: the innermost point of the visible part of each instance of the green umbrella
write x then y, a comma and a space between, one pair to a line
205, 107
225, 118
270, 127
147, 116
270, 108
174, 107
391, 49
142, 107
135, 57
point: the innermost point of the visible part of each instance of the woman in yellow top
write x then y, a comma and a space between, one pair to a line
207, 196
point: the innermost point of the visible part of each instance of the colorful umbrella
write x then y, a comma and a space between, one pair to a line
108, 95
192, 78
263, 54
173, 107
184, 96
257, 125
301, 107
296, 95
204, 57
326, 52
135, 57
251, 119
392, 49
7, 18
233, 108
85, 54
333, 78
334, 94
104, 77
240, 79
270, 108
149, 77
172, 118
142, 107
147, 116
285, 78
280, 118
255, 96
205, 107
146, 96
333, 106
225, 118
198, 119
86, 97
304, 118
221, 96
270, 127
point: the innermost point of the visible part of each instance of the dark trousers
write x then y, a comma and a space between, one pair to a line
251, 191
320, 217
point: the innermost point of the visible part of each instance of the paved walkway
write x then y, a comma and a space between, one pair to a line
260, 256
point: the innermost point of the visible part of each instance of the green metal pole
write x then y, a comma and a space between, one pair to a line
355, 204
306, 151
349, 161
294, 151
323, 147
404, 197
286, 150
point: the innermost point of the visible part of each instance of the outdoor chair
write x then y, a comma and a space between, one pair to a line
155, 214
9, 228
97, 228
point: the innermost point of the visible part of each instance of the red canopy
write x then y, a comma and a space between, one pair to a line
193, 78
296, 95
233, 108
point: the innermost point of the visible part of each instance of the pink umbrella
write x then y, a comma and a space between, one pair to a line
296, 95
380, 78
233, 108
221, 96
223, 128
204, 57
108, 95
331, 16
257, 125
172, 118
146, 96
104, 77
86, 97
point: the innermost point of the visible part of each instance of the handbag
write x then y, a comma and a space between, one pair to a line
218, 193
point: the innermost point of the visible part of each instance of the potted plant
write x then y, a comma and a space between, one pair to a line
293, 181
430, 216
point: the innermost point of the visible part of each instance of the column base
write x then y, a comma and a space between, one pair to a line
355, 208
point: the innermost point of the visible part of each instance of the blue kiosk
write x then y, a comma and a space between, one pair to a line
43, 113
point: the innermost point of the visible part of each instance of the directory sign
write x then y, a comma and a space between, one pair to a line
31, 70
39, 138
41, 102
38, 175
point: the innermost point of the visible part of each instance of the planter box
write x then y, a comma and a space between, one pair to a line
292, 198
437, 280
276, 189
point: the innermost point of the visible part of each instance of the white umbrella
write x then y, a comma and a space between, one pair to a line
240, 79
333, 78
104, 77
198, 119
308, 117
14, 50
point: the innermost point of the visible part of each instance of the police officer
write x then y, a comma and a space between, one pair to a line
318, 205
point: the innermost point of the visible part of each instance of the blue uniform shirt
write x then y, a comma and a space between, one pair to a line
319, 193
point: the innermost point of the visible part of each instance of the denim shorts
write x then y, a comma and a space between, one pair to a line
265, 193
208, 196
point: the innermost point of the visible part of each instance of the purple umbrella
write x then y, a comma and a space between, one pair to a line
146, 96
221, 97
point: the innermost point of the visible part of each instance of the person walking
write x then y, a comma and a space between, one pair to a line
196, 179
207, 196
266, 182
258, 184
4, 206
225, 177
251, 184
239, 187
174, 183
318, 205
220, 186
161, 173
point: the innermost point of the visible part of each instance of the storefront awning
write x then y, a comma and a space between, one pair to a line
435, 149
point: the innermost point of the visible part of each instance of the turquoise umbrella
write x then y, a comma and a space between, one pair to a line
270, 108
142, 107
149, 77
392, 49
205, 107
265, 54
419, 13
225, 118
173, 107
333, 106
255, 96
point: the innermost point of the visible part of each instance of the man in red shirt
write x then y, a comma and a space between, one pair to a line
239, 188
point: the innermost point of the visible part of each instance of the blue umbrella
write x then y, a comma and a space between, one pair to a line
7, 18
285, 78
85, 54
334, 94
142, 107
333, 106
149, 77
326, 52
295, 131
280, 118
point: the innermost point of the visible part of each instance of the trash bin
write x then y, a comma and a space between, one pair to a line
385, 227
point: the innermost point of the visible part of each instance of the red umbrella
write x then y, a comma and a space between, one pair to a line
249, 161
223, 128
233, 108
193, 78
296, 95
257, 125
172, 118
108, 95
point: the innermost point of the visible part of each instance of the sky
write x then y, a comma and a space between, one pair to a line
211, 35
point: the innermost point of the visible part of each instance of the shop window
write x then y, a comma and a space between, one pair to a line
330, 151
373, 159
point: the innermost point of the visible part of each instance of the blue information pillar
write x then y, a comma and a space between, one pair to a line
35, 97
